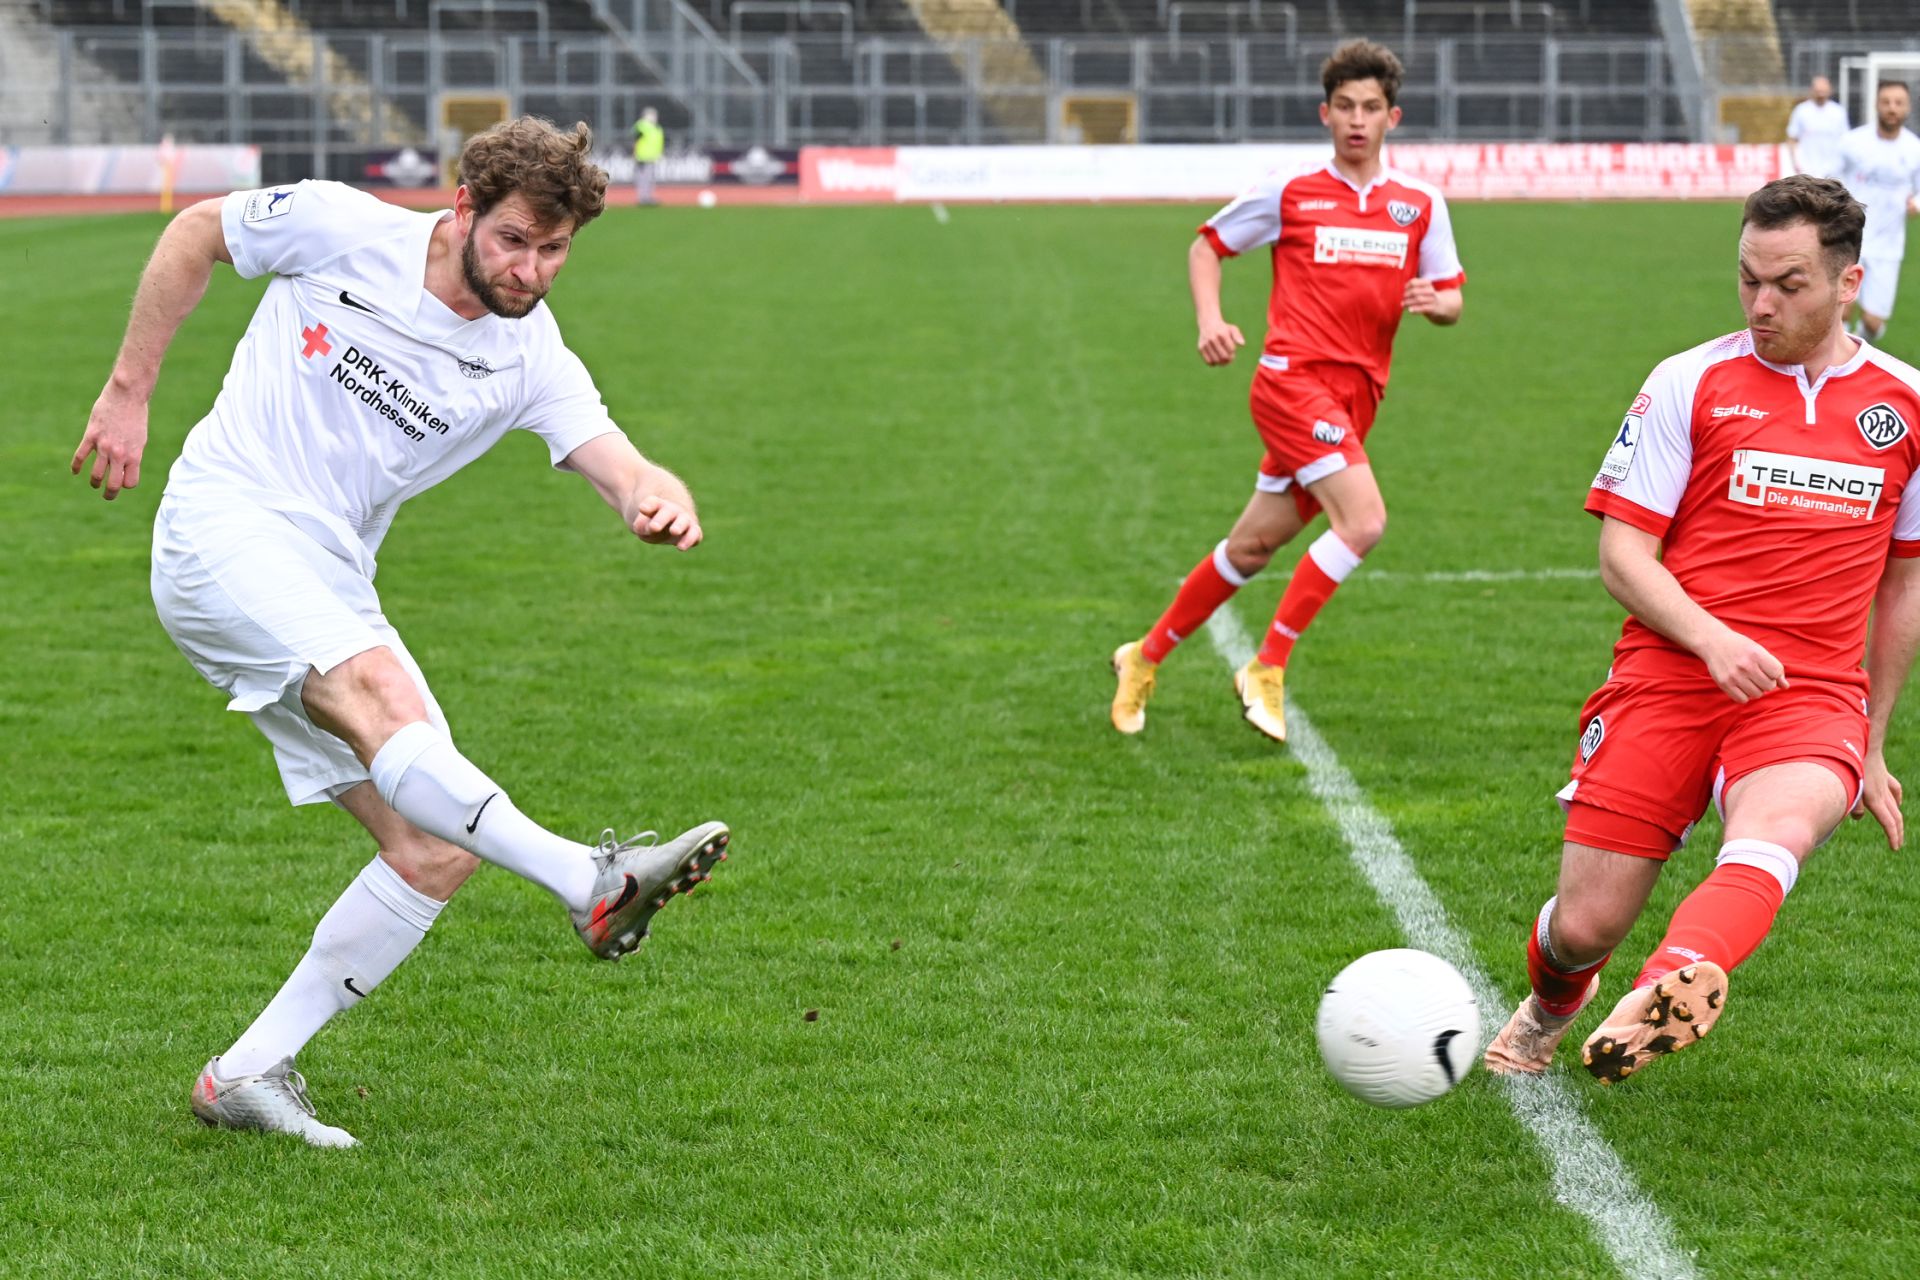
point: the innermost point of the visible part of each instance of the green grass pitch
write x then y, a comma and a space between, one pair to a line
1065, 981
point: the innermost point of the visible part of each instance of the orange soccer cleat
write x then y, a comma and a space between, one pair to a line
1653, 1021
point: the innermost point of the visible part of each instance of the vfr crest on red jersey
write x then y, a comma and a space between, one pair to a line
1403, 213
1881, 425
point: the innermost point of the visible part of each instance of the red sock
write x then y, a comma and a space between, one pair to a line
1728, 916
1325, 566
1210, 585
1559, 991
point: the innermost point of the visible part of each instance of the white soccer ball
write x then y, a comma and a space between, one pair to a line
707, 199
1398, 1028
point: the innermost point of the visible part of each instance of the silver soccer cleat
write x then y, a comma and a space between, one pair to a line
275, 1101
637, 877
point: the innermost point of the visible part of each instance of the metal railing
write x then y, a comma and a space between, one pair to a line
202, 86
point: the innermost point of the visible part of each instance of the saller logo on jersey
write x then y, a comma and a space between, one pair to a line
1809, 486
1403, 213
1881, 425
1358, 247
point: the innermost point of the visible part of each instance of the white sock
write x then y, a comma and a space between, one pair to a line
363, 937
426, 780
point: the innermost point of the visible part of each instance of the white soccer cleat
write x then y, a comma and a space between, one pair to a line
275, 1101
637, 877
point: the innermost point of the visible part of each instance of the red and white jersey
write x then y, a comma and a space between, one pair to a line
1777, 501
1342, 256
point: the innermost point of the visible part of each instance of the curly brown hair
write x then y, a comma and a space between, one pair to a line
551, 170
1362, 60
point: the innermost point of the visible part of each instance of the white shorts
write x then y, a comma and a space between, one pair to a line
1882, 282
255, 603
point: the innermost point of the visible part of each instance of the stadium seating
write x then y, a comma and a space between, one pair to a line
1835, 19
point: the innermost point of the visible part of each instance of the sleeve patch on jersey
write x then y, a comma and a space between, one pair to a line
1619, 459
1641, 403
262, 205
1881, 424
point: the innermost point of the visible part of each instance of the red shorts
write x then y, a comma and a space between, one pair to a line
1314, 420
1654, 753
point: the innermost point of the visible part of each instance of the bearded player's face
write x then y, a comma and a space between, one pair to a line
509, 261
1790, 292
1357, 115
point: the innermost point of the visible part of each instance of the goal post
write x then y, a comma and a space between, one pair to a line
1862, 74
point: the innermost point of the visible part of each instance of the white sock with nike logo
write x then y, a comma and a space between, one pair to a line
423, 776
364, 936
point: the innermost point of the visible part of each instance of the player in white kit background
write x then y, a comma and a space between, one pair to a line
391, 349
1816, 127
1880, 165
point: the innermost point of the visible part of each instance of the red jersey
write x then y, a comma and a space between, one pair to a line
1342, 256
1777, 501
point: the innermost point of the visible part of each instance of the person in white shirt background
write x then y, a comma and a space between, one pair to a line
1880, 164
1816, 127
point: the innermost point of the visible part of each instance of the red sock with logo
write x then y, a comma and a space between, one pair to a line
1321, 571
1728, 916
1210, 585
1559, 991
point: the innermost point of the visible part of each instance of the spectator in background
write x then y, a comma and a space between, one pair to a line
1816, 127
650, 142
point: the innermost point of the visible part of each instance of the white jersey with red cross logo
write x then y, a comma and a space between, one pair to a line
1777, 501
354, 388
1342, 256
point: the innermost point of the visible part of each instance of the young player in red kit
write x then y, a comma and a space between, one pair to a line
1355, 245
1753, 510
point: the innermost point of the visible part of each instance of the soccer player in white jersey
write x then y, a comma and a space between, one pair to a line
1756, 507
391, 349
1816, 127
1880, 164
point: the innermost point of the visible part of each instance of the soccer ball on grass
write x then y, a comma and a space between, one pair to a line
1398, 1028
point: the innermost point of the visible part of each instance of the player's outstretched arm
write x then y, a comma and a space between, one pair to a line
653, 501
1441, 306
1218, 339
170, 288
1892, 642
1630, 566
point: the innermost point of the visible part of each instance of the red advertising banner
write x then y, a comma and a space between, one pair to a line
863, 175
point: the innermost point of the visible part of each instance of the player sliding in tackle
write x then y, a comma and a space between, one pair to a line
391, 349
1355, 245
1753, 509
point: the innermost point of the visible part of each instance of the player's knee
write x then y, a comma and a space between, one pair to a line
1582, 935
1362, 533
384, 690
428, 865
1250, 552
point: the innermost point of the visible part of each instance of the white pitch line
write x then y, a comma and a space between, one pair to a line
1471, 575
939, 213
1588, 1176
